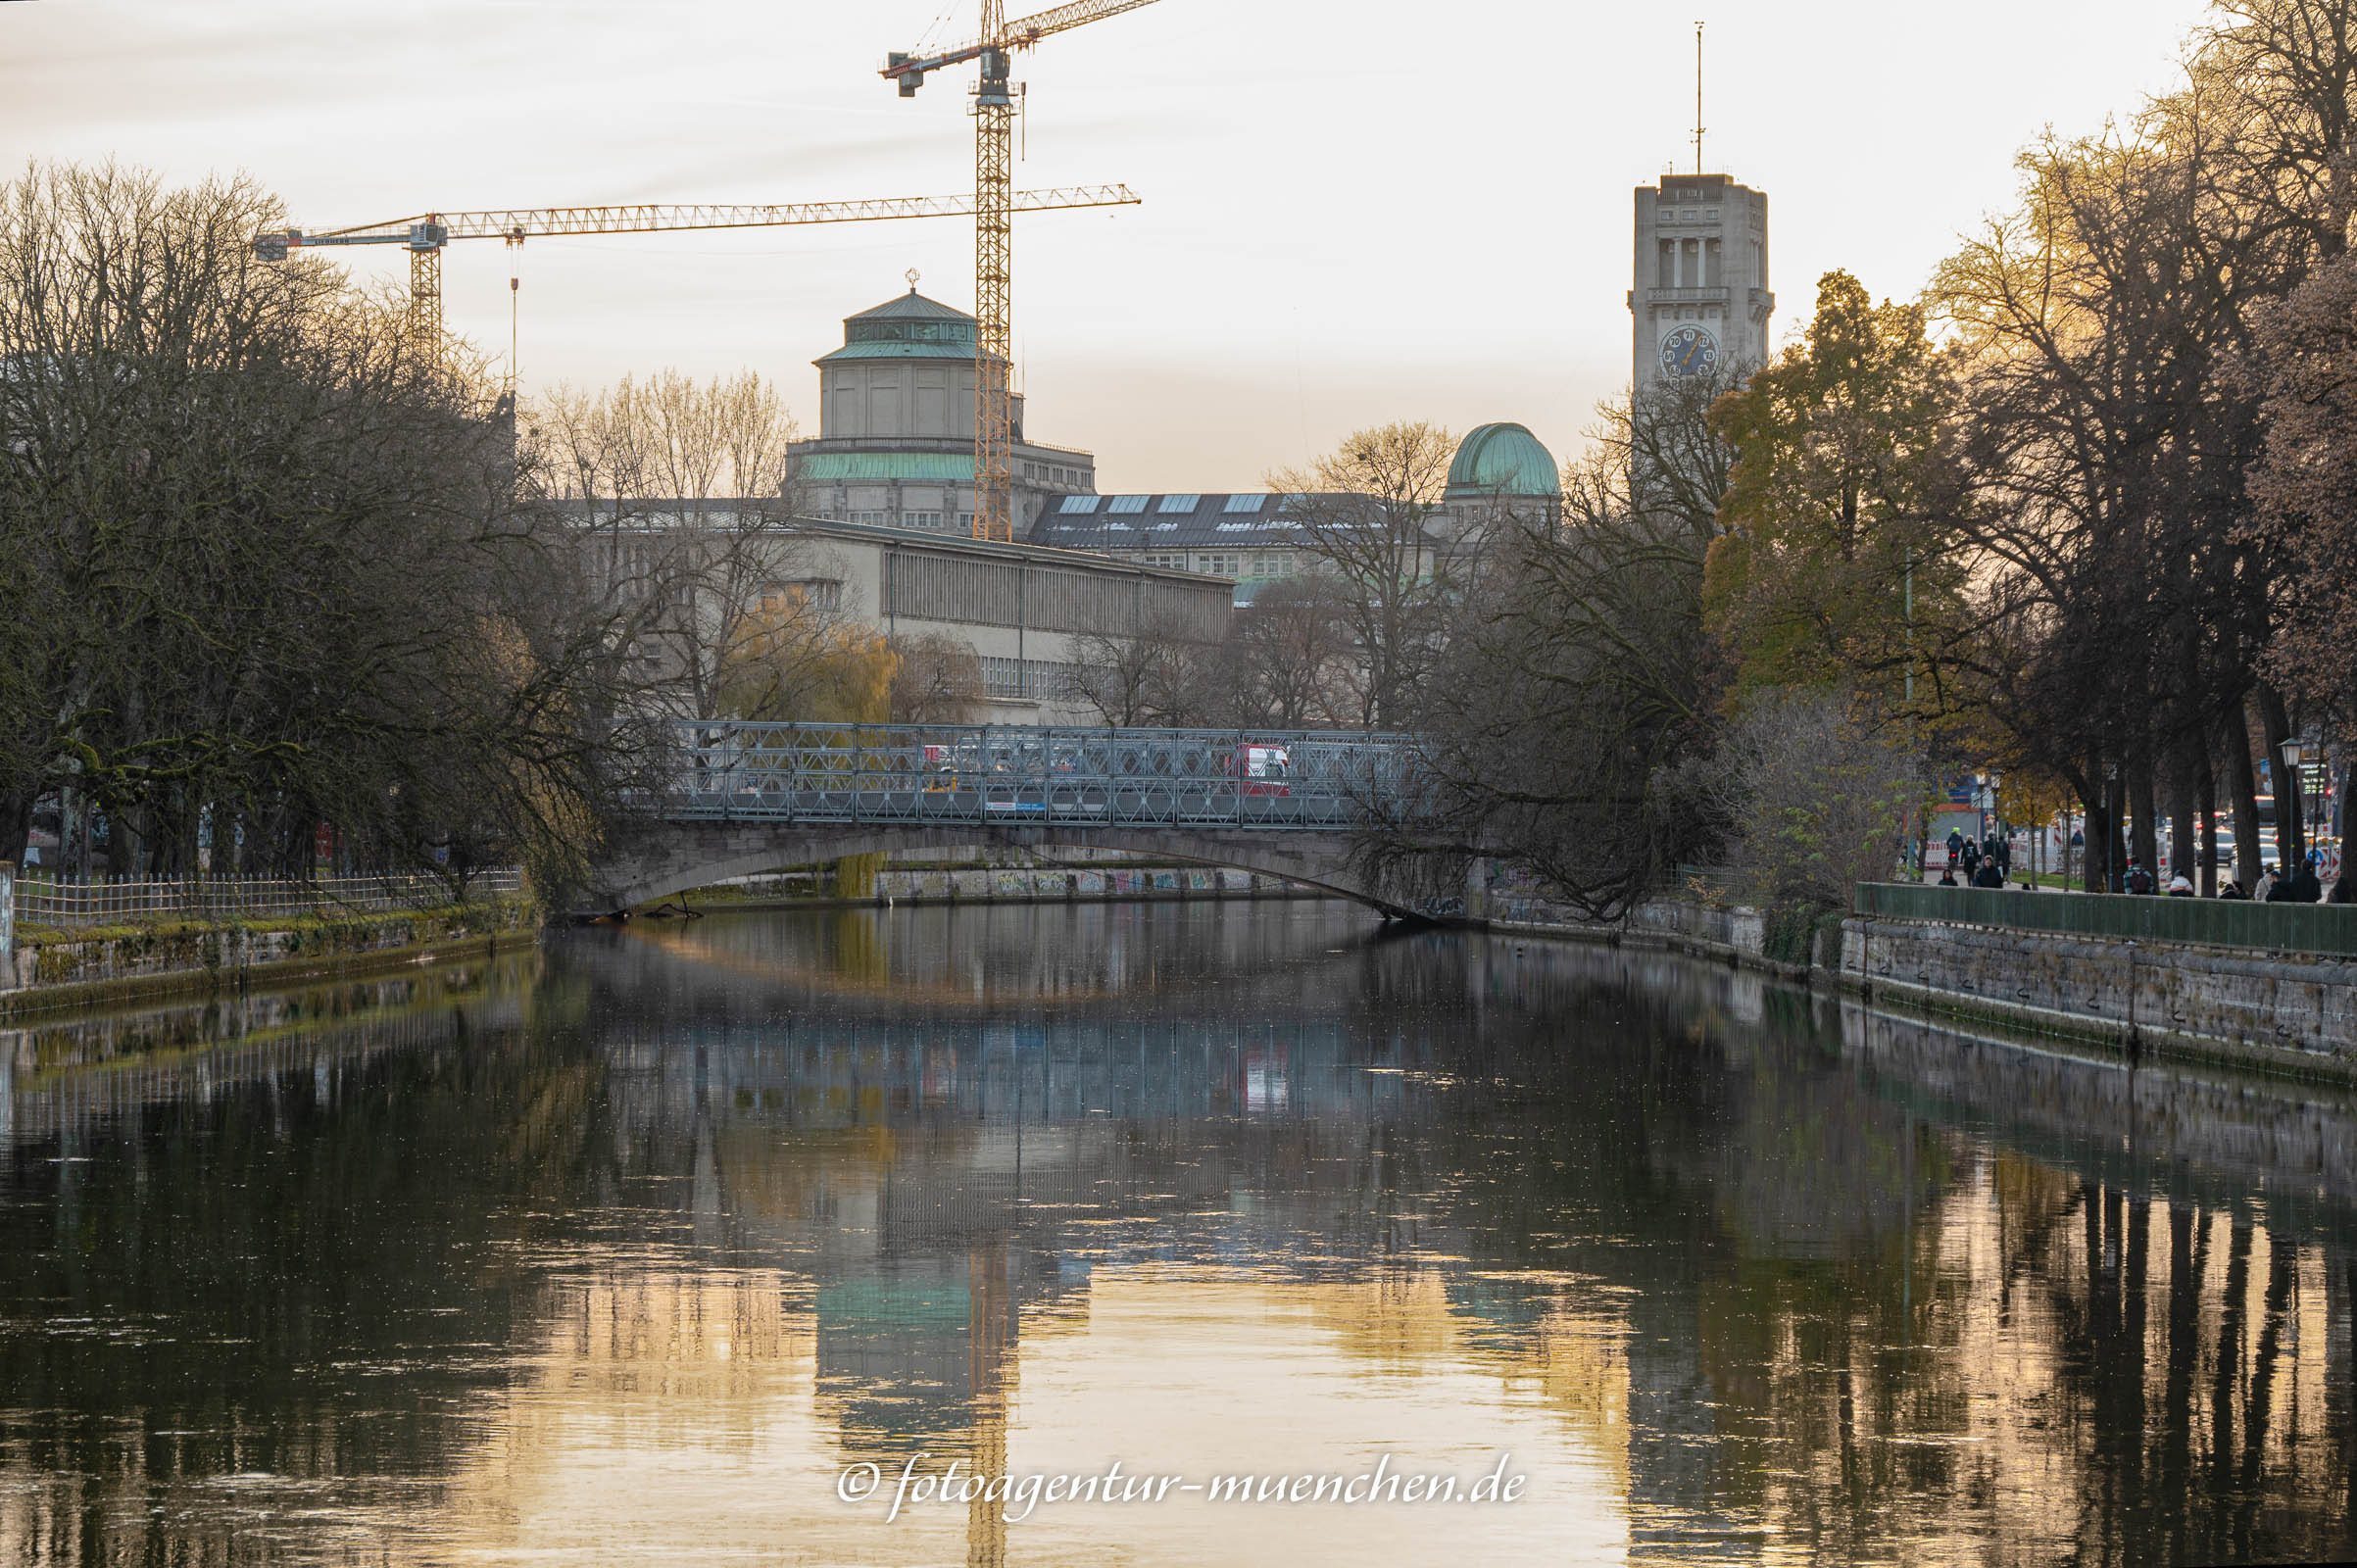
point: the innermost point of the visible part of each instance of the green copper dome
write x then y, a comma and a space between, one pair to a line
1502, 459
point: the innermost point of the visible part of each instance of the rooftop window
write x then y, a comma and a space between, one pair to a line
1078, 504
1180, 503
910, 333
1244, 504
1128, 503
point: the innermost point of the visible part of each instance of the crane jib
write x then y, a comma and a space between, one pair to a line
434, 230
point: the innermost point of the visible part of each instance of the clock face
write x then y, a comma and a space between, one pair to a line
1689, 350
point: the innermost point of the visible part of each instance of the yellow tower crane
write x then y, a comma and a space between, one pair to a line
425, 234
993, 157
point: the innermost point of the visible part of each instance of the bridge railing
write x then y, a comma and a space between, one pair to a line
1009, 774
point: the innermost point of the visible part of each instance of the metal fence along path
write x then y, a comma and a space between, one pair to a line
2209, 922
1302, 780
46, 901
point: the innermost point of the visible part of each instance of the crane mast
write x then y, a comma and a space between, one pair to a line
994, 302
994, 238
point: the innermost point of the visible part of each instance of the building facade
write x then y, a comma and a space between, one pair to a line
1023, 610
1699, 300
1254, 538
895, 430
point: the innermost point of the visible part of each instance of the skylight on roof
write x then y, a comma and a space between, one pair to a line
1128, 503
1244, 503
1180, 503
1078, 504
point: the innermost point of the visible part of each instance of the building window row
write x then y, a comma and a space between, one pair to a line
1026, 680
1055, 474
909, 332
1227, 563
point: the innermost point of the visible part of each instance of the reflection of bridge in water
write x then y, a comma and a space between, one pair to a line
744, 798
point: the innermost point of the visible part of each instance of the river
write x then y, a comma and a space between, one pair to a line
744, 1239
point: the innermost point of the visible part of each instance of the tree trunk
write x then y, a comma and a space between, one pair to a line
2206, 781
2115, 831
2287, 824
2184, 846
16, 826
2344, 890
2243, 786
2100, 826
2145, 844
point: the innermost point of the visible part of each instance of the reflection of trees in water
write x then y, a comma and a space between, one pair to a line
266, 1279
1804, 1271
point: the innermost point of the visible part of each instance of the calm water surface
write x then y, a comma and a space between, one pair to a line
631, 1249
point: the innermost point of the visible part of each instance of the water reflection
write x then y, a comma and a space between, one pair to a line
620, 1253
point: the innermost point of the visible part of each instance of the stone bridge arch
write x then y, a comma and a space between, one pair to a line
675, 857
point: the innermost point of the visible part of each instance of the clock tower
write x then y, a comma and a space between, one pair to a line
1700, 302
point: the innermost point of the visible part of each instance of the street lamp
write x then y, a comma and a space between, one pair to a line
2291, 831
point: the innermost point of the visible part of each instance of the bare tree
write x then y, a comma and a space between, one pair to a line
685, 498
935, 680
1363, 511
1293, 657
1159, 674
1572, 710
272, 559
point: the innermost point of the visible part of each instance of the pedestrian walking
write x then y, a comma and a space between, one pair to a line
2302, 885
2138, 880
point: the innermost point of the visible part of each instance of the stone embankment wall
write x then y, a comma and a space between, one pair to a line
54, 970
2281, 1010
2271, 1010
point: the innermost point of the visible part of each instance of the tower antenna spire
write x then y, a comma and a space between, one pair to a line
1698, 97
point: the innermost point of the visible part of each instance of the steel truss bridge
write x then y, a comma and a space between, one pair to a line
744, 798
999, 775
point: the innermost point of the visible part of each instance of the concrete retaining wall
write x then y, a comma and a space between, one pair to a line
2269, 1010
2273, 1009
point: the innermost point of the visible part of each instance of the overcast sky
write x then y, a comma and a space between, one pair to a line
1355, 211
